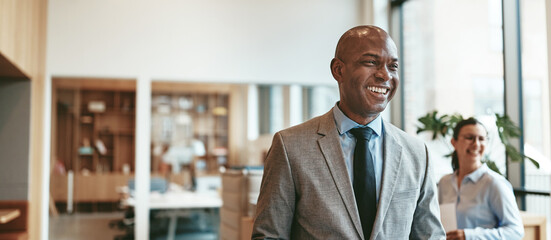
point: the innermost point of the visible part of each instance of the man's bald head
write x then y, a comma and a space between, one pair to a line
350, 38
366, 69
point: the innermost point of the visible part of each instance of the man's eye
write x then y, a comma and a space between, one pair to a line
370, 62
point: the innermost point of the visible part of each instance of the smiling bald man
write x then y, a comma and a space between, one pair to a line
324, 181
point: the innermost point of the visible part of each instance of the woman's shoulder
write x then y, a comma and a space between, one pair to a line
496, 181
445, 179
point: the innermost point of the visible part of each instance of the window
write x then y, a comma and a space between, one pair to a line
453, 63
282, 106
535, 77
318, 100
270, 108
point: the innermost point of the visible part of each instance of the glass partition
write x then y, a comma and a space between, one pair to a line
201, 153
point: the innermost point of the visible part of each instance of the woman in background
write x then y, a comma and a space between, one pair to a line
484, 200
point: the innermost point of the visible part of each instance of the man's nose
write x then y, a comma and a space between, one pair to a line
383, 73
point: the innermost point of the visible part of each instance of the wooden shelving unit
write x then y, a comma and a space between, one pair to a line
93, 126
206, 107
82, 131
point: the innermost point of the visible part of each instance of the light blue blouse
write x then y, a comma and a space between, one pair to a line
485, 205
348, 142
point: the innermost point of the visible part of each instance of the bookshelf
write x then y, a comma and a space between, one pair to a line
185, 114
93, 126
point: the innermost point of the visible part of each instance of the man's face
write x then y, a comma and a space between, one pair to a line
369, 74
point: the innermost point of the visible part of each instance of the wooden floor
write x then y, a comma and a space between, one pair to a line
84, 226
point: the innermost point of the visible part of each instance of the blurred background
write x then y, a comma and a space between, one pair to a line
100, 99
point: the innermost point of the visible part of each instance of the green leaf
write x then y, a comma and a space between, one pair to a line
506, 128
516, 156
536, 163
437, 125
513, 153
492, 165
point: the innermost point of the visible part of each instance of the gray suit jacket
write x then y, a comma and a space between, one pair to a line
306, 192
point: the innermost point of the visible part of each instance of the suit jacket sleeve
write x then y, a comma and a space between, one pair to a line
276, 202
426, 220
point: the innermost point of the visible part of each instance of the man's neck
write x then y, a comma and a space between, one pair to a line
358, 118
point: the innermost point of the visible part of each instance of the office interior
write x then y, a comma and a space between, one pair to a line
100, 99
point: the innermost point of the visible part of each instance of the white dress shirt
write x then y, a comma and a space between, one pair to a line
348, 143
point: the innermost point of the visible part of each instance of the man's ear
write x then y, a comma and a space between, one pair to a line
336, 69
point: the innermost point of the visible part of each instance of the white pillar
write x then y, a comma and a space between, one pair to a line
375, 12
277, 105
142, 174
295, 105
548, 20
45, 200
252, 113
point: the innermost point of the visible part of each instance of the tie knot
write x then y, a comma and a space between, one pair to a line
362, 133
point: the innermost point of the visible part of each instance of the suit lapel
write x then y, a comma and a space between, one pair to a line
331, 148
392, 154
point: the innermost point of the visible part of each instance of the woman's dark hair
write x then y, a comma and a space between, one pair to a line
456, 130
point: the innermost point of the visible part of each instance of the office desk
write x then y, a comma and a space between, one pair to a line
179, 201
182, 200
6, 215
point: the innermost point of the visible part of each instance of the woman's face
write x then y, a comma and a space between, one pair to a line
470, 144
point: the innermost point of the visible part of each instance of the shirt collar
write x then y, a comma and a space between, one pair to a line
344, 124
477, 174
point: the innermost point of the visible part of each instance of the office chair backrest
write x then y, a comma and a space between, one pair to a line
157, 185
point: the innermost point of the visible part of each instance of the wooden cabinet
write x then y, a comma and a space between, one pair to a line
89, 188
535, 226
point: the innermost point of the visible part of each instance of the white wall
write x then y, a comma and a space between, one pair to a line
209, 40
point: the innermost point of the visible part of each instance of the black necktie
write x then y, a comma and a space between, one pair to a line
364, 179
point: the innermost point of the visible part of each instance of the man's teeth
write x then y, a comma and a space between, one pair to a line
377, 90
